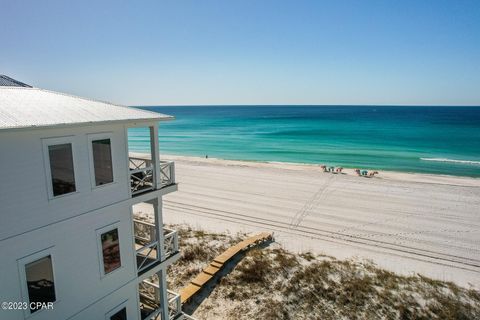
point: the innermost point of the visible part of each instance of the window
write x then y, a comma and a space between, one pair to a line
61, 168
102, 161
110, 251
120, 315
40, 283
117, 313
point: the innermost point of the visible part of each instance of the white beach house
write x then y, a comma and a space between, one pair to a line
75, 233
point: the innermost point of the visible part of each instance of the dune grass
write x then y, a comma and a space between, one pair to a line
272, 283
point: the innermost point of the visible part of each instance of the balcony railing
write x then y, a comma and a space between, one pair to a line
149, 294
147, 244
150, 306
174, 304
142, 174
144, 231
170, 242
167, 173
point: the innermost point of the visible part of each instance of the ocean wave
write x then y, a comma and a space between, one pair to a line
451, 160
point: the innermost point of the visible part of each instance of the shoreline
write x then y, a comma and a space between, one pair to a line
383, 174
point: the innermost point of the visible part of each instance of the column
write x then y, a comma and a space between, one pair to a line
157, 210
155, 156
162, 281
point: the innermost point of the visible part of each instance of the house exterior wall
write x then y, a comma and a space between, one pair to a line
74, 247
124, 297
66, 227
24, 199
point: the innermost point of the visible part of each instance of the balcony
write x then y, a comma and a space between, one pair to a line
147, 244
142, 173
150, 304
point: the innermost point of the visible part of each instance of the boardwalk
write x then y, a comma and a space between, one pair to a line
216, 265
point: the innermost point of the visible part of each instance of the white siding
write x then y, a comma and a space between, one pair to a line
24, 200
126, 294
75, 252
67, 226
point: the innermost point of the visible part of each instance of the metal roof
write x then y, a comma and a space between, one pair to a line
9, 82
27, 107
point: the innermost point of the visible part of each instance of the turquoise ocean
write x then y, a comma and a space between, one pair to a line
439, 140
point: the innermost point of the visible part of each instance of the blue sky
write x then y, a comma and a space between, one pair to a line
247, 52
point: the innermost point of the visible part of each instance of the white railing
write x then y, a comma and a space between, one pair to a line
147, 256
167, 173
144, 231
145, 235
148, 253
174, 304
170, 242
140, 162
142, 174
149, 293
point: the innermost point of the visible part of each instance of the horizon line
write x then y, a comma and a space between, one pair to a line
305, 105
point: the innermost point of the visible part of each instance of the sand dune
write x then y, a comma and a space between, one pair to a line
408, 223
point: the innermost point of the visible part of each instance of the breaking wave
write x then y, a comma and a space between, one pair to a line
451, 160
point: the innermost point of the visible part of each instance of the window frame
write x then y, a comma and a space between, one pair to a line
99, 232
22, 263
47, 142
99, 136
116, 309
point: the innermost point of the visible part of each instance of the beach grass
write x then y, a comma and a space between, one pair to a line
273, 283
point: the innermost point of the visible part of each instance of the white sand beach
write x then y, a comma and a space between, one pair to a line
407, 223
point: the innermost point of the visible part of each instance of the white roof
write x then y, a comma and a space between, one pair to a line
25, 107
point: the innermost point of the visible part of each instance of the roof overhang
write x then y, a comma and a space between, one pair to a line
134, 123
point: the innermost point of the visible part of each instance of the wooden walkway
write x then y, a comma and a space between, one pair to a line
217, 264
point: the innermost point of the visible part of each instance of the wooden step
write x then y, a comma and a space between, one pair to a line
187, 292
211, 270
216, 264
201, 279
